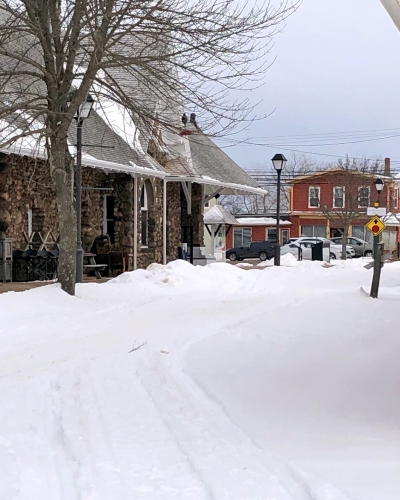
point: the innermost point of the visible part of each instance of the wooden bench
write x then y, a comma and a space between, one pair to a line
92, 266
96, 268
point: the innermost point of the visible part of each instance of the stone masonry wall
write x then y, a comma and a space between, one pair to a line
196, 218
25, 184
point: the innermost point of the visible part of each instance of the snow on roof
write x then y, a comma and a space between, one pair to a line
218, 215
392, 219
261, 221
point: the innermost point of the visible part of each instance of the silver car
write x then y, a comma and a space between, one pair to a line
293, 247
361, 248
336, 250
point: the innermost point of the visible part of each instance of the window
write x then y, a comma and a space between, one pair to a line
396, 198
241, 236
363, 197
362, 233
144, 217
338, 197
313, 197
108, 216
271, 234
284, 236
314, 231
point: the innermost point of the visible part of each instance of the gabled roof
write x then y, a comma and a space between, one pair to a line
316, 175
210, 162
103, 143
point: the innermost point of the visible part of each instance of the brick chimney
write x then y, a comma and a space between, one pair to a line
387, 167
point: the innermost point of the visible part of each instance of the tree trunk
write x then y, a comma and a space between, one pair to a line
344, 241
62, 173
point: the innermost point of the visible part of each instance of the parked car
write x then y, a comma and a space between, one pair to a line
336, 250
306, 249
362, 248
262, 250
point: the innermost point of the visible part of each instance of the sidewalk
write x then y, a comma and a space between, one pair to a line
23, 286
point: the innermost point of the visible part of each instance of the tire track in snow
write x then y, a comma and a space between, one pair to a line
181, 403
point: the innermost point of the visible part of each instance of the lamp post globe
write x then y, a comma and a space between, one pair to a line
379, 185
279, 161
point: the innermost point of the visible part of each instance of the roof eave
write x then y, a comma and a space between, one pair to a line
89, 162
214, 182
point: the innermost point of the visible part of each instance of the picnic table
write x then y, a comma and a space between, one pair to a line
92, 266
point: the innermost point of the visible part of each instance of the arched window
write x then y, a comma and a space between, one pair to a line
144, 209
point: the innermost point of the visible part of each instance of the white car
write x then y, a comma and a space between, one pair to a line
306, 244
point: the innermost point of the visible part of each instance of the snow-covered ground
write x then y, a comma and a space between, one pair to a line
265, 384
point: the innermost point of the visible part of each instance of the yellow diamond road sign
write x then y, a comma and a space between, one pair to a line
375, 225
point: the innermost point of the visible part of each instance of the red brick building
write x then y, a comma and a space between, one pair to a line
321, 202
252, 228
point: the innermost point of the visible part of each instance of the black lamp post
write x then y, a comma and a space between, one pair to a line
83, 112
379, 186
279, 162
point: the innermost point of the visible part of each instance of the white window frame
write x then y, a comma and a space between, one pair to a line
335, 198
242, 228
369, 196
288, 235
396, 197
309, 196
144, 208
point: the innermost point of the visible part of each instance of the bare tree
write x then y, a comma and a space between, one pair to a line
168, 52
351, 197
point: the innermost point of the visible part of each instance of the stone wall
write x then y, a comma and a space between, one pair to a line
173, 219
196, 218
25, 184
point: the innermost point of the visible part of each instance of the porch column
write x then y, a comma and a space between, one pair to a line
135, 221
164, 226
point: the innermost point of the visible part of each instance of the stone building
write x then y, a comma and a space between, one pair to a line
147, 193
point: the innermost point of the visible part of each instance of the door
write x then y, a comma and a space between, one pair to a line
335, 233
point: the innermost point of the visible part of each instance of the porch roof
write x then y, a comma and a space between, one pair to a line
88, 161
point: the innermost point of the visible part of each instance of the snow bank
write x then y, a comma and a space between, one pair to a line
182, 382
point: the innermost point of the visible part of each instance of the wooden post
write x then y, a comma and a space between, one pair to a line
377, 271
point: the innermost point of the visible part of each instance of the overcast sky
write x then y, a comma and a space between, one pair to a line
337, 70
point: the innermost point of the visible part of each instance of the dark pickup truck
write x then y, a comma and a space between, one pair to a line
262, 250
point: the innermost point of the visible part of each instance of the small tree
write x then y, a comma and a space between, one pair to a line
351, 197
170, 52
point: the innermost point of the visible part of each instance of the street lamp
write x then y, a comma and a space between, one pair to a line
279, 162
379, 186
82, 113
